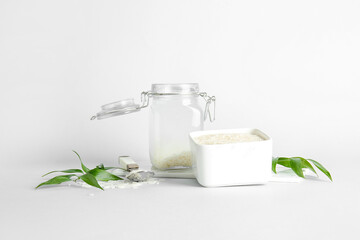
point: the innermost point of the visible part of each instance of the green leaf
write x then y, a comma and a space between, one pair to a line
101, 166
107, 168
82, 165
91, 180
65, 171
284, 161
57, 180
321, 168
274, 162
305, 164
103, 175
296, 166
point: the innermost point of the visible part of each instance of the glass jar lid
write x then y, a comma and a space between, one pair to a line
117, 108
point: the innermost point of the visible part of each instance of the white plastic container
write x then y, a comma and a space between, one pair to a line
241, 163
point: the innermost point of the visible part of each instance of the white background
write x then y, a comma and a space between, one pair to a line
289, 68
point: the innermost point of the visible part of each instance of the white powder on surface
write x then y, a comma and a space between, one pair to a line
226, 138
182, 159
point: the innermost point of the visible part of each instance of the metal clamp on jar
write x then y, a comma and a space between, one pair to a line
174, 113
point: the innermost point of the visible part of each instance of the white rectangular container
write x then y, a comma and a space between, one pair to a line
242, 163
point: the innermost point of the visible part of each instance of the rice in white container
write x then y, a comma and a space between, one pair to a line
226, 138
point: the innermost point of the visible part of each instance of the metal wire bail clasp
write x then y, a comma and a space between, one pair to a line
208, 101
145, 99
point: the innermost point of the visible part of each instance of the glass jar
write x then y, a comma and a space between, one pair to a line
175, 111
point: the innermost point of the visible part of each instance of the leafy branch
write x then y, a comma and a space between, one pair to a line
297, 164
89, 176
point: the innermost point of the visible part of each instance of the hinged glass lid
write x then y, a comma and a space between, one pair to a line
117, 108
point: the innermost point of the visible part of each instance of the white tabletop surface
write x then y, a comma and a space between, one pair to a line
181, 209
288, 68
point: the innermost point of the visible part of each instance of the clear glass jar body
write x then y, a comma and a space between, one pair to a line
172, 117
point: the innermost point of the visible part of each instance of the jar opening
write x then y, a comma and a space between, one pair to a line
176, 88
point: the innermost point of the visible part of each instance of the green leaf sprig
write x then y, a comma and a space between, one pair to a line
297, 164
89, 176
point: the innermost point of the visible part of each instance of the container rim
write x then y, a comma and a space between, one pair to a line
255, 131
175, 88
